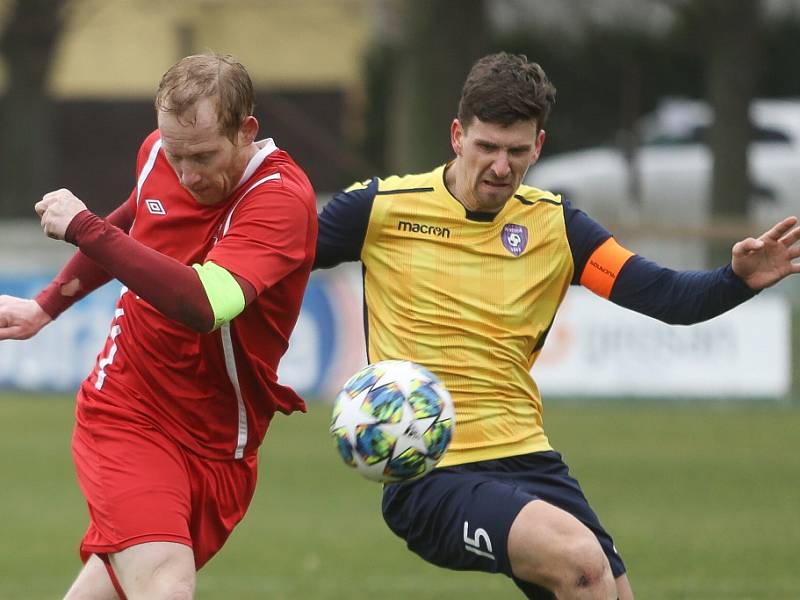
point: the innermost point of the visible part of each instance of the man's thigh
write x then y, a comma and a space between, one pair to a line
454, 519
141, 486
460, 517
136, 485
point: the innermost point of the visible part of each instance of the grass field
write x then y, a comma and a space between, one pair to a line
702, 500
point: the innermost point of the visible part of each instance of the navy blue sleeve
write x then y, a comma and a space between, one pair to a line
674, 297
584, 236
343, 226
678, 297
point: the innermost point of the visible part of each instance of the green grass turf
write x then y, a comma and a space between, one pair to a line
703, 502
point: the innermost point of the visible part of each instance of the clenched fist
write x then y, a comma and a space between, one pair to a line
57, 209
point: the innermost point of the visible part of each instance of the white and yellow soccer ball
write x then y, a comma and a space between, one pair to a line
393, 421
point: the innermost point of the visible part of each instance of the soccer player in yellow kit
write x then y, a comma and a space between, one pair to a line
464, 269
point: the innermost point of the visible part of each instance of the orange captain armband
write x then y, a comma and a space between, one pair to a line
602, 268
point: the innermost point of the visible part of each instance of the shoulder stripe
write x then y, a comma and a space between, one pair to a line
148, 166
227, 340
272, 177
359, 185
403, 191
523, 199
527, 202
233, 375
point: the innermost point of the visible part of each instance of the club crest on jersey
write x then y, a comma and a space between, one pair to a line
515, 238
155, 207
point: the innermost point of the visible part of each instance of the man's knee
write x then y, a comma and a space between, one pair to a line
549, 547
170, 584
92, 583
587, 565
575, 565
170, 591
157, 570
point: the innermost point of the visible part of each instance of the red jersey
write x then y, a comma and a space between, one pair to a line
215, 393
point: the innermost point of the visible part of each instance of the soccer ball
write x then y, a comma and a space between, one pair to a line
393, 421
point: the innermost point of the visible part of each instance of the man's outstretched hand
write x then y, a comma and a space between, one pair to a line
20, 318
763, 262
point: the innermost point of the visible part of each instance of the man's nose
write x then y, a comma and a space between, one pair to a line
501, 166
189, 176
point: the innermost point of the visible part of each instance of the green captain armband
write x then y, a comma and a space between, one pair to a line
224, 293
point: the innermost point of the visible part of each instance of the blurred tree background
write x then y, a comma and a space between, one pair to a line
26, 109
611, 61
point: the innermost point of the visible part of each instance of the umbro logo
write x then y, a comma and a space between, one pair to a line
155, 207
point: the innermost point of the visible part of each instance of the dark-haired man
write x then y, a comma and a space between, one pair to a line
471, 294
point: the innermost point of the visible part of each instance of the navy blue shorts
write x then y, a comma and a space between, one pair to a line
459, 517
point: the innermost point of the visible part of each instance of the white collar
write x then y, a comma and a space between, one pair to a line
266, 147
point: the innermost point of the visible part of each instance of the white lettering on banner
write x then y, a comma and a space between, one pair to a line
596, 348
473, 544
603, 343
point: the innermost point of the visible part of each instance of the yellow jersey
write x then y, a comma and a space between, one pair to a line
472, 296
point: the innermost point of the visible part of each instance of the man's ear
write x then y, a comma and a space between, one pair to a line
248, 131
537, 147
456, 136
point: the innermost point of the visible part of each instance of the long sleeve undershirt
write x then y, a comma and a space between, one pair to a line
173, 288
80, 275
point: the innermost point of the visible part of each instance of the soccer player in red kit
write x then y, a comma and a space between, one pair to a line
214, 247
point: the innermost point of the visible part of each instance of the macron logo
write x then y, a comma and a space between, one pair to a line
155, 207
437, 231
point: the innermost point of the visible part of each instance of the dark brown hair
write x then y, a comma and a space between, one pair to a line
505, 88
219, 77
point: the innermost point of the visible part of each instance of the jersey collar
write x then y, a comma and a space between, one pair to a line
266, 147
471, 215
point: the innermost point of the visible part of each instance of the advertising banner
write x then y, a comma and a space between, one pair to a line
594, 349
598, 349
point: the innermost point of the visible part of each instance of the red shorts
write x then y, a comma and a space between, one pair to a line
142, 486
